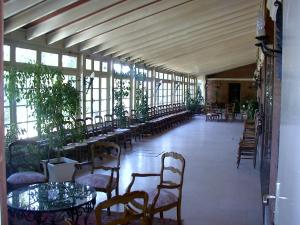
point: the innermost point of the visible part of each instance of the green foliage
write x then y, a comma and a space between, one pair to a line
120, 92
250, 107
141, 99
53, 102
192, 104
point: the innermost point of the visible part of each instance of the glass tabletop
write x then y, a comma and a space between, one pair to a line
53, 196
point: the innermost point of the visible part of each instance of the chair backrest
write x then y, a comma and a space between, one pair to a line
98, 123
179, 170
106, 151
25, 155
89, 125
109, 122
128, 215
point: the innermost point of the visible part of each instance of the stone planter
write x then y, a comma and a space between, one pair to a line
59, 169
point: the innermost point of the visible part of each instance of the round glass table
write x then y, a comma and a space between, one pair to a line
49, 203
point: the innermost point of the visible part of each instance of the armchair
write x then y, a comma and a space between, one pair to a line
162, 198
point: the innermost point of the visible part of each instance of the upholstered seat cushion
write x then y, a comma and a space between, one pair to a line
96, 180
28, 177
166, 197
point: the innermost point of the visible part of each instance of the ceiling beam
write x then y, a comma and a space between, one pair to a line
120, 22
14, 7
69, 16
196, 43
96, 19
30, 15
193, 14
183, 27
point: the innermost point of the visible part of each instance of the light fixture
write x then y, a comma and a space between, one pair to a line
88, 83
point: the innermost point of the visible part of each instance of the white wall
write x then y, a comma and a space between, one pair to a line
288, 206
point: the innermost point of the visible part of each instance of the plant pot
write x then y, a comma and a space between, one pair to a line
60, 169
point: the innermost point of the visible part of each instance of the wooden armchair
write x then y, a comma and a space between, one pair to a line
162, 198
106, 152
24, 166
129, 214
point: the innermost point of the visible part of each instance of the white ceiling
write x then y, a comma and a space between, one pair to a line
191, 36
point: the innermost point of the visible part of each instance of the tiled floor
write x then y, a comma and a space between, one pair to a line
214, 192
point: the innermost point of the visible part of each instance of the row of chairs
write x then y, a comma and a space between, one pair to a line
213, 112
248, 144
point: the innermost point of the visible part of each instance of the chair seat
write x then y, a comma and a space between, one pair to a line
27, 177
165, 198
98, 181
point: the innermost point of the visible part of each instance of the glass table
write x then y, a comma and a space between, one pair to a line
50, 203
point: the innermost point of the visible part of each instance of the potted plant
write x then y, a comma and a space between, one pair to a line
141, 99
53, 103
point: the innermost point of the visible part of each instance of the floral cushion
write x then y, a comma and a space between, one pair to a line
28, 177
96, 180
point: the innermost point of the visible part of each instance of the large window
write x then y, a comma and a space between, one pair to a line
24, 55
103, 105
6, 108
49, 59
6, 52
69, 61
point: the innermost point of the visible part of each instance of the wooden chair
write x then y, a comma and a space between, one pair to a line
90, 129
24, 166
229, 111
248, 144
106, 152
130, 214
161, 198
98, 128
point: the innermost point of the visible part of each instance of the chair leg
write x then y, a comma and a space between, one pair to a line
108, 197
161, 215
117, 190
178, 214
238, 159
150, 220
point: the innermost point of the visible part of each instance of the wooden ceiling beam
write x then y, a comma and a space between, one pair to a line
33, 14
198, 37
119, 22
14, 7
96, 19
182, 28
68, 17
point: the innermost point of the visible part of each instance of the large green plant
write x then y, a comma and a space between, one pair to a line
193, 103
250, 107
53, 102
141, 98
120, 91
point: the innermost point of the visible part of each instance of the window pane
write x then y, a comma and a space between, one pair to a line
96, 106
103, 105
69, 61
104, 67
125, 69
6, 49
24, 55
96, 65
21, 114
49, 59
103, 82
96, 82
103, 93
96, 94
88, 64
6, 115
117, 68
31, 130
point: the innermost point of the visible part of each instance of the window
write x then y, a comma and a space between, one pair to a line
103, 105
96, 65
104, 67
6, 52
169, 93
117, 68
6, 108
25, 119
49, 59
149, 92
69, 61
24, 55
71, 79
88, 64
125, 69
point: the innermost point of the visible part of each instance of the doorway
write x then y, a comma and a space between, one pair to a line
234, 95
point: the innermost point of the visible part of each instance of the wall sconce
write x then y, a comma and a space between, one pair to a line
265, 49
88, 83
